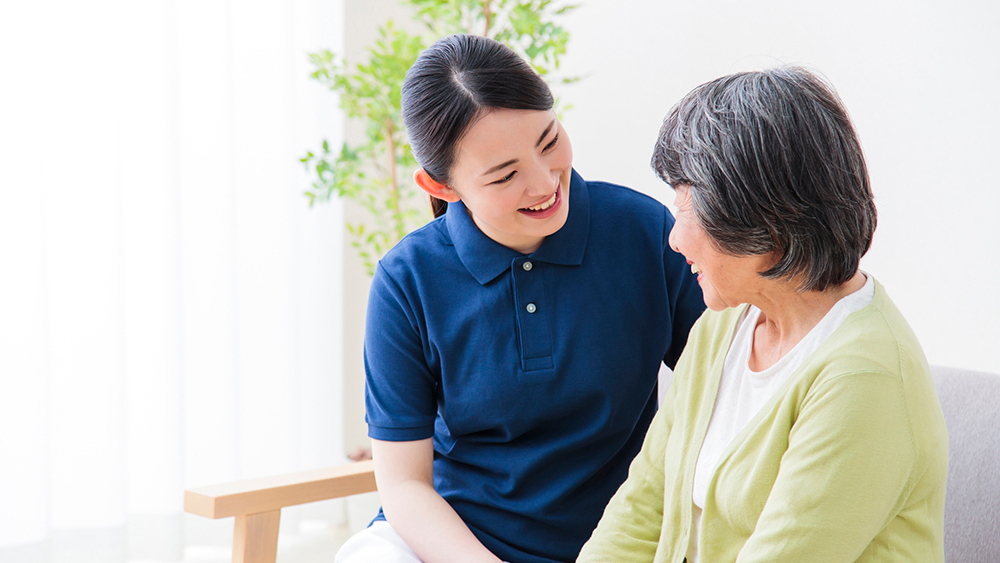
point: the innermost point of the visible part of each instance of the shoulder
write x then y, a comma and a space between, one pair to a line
617, 199
423, 246
623, 216
415, 265
877, 339
877, 353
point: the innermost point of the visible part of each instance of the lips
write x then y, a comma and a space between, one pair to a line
696, 270
546, 204
546, 208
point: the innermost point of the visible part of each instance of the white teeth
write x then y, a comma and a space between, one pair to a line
546, 204
695, 269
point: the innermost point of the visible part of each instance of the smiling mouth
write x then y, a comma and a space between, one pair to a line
695, 269
545, 204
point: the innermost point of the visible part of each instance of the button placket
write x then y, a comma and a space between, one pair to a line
533, 327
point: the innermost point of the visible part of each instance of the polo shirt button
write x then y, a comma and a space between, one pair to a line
527, 266
531, 308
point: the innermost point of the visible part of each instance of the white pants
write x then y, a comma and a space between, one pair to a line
378, 543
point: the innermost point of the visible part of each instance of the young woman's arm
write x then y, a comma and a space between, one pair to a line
405, 475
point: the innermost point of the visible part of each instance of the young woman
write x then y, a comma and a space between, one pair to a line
513, 344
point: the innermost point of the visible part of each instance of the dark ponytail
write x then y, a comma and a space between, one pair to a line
451, 84
438, 206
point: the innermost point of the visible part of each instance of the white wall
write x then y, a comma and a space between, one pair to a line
920, 79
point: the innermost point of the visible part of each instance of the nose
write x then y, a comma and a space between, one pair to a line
541, 179
672, 239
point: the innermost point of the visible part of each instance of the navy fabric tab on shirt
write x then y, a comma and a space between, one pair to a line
532, 315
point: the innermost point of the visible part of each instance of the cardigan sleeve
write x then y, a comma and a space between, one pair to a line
629, 530
846, 473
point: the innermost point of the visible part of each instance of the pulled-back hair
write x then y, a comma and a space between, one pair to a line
451, 85
774, 165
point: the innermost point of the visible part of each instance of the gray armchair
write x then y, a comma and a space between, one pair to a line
971, 403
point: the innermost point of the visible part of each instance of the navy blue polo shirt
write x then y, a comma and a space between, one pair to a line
535, 374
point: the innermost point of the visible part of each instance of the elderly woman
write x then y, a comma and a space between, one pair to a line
802, 423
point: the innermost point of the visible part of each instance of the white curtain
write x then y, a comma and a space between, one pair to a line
169, 305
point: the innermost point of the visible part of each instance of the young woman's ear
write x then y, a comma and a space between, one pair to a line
434, 188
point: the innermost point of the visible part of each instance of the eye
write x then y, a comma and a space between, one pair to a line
552, 143
506, 178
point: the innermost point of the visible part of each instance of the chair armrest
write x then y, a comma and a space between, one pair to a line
266, 494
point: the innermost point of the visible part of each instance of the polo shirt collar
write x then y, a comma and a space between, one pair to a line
486, 259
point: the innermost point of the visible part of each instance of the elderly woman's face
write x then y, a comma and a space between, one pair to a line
725, 280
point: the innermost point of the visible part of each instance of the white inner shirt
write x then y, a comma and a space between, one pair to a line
743, 392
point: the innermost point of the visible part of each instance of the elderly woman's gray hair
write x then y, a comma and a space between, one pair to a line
774, 165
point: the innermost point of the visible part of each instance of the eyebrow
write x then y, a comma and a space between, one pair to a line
541, 138
545, 133
500, 167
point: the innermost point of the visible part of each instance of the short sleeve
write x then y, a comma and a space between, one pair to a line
684, 295
400, 389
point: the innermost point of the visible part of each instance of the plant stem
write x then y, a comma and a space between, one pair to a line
489, 15
397, 214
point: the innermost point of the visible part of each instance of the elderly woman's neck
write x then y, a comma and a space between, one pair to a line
787, 316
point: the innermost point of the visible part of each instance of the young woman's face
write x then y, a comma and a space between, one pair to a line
512, 171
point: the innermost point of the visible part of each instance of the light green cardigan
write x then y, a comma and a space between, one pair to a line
847, 462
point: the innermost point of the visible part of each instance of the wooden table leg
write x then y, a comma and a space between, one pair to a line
255, 539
